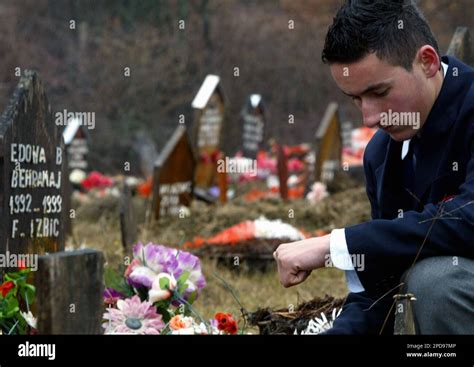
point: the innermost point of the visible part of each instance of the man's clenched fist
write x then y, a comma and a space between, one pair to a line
296, 260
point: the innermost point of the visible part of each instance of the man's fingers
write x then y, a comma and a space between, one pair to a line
289, 279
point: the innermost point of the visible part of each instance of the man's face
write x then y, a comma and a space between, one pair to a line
385, 93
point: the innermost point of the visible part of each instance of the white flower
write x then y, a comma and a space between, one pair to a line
143, 275
319, 325
156, 293
318, 192
265, 228
30, 319
184, 331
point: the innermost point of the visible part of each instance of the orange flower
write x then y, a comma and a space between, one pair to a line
6, 287
177, 323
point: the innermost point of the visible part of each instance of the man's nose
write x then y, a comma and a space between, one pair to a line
370, 115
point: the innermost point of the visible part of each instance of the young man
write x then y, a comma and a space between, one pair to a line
419, 171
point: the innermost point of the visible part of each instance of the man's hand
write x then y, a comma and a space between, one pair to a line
296, 260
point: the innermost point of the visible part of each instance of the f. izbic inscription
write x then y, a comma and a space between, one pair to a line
32, 169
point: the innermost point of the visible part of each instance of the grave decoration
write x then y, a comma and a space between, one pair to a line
156, 293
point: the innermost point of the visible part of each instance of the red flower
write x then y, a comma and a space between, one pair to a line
223, 318
226, 323
6, 287
232, 328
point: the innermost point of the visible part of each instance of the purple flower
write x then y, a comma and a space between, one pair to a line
111, 296
156, 259
191, 264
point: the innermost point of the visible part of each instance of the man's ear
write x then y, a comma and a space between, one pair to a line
429, 60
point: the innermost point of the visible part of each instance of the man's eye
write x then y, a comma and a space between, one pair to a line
382, 94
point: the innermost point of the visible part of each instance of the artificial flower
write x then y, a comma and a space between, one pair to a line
6, 287
226, 323
133, 317
135, 263
159, 292
29, 318
320, 325
155, 259
111, 296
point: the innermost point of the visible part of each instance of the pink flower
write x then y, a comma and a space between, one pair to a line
132, 317
131, 267
159, 293
318, 192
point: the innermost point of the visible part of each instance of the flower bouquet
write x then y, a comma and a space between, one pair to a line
155, 295
16, 297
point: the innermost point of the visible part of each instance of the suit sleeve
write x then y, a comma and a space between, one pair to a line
391, 246
371, 188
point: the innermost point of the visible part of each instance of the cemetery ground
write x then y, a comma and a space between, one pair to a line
97, 226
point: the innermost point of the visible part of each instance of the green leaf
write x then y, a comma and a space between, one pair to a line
164, 283
116, 281
28, 294
184, 277
182, 287
192, 297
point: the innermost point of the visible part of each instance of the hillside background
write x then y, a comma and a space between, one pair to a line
83, 68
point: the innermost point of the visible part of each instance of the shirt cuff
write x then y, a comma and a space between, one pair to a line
341, 259
340, 256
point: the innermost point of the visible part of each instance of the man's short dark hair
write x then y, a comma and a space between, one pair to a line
392, 29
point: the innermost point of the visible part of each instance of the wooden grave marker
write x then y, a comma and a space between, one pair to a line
207, 130
253, 126
145, 149
328, 145
282, 168
128, 221
76, 140
223, 186
33, 168
460, 46
69, 297
173, 175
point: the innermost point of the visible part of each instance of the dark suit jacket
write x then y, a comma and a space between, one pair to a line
436, 225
